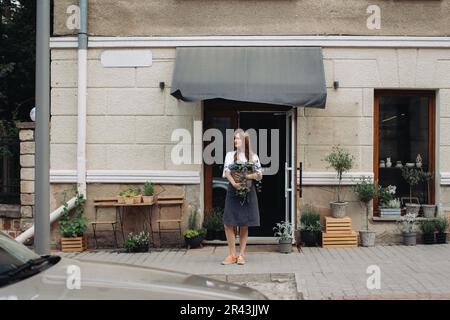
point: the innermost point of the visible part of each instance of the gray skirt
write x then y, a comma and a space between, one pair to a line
238, 215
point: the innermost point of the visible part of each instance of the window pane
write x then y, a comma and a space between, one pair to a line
403, 135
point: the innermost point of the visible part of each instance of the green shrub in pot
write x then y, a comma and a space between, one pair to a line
441, 224
310, 226
428, 228
284, 233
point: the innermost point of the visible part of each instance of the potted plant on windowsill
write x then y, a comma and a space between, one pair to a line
429, 210
366, 191
407, 225
413, 177
428, 228
310, 227
148, 193
73, 229
137, 243
341, 161
441, 224
389, 206
284, 233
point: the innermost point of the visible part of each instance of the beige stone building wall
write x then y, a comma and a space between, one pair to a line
130, 119
258, 17
348, 117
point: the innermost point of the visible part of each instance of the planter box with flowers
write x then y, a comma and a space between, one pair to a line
389, 206
73, 228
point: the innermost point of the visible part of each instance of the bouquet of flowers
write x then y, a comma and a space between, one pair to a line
239, 170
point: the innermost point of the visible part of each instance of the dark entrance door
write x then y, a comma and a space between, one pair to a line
272, 203
223, 115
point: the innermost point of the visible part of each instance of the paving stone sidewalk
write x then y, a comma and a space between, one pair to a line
420, 272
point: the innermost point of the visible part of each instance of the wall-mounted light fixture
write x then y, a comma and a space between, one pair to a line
162, 85
336, 85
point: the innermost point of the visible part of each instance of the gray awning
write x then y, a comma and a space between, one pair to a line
292, 76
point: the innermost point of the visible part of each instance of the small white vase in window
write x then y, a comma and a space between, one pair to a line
388, 163
419, 161
382, 164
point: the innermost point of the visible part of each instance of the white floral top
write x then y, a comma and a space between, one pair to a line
229, 160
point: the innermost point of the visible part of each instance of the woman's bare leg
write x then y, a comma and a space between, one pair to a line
243, 237
229, 232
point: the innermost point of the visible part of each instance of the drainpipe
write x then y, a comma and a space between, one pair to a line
42, 171
42, 207
82, 96
54, 216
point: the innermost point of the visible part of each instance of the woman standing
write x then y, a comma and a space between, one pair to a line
235, 214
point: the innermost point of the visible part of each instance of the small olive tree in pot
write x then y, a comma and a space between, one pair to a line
429, 210
413, 177
341, 161
366, 190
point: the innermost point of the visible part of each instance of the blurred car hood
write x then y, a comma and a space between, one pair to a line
109, 281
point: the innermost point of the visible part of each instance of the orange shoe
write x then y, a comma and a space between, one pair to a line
241, 260
229, 260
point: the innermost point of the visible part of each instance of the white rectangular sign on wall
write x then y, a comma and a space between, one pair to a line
126, 58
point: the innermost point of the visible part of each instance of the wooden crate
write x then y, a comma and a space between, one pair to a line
338, 225
73, 244
340, 240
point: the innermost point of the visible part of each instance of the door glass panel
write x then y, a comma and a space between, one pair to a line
219, 185
403, 135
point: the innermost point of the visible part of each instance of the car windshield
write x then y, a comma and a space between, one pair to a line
13, 254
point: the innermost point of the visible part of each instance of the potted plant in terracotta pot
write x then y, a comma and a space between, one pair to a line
73, 228
407, 225
366, 191
429, 210
310, 227
441, 224
341, 161
428, 228
148, 193
413, 177
284, 233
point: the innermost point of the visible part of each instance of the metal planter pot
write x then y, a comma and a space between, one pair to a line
413, 208
367, 238
285, 246
338, 209
428, 238
309, 238
441, 238
409, 238
429, 210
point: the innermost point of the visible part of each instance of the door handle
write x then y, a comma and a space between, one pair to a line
300, 183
